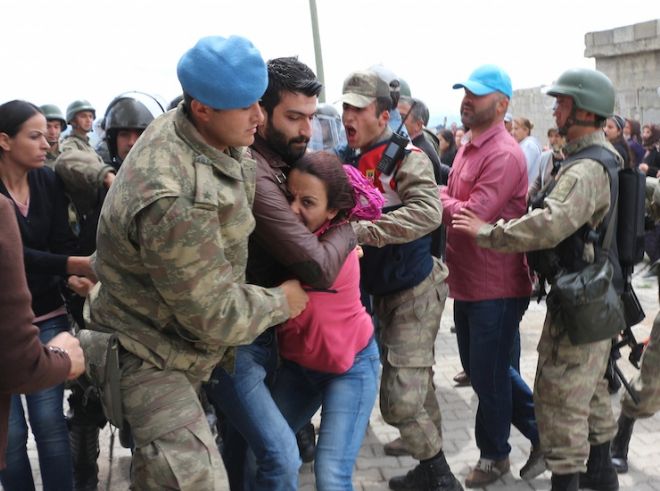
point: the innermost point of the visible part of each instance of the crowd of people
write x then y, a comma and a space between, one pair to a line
248, 253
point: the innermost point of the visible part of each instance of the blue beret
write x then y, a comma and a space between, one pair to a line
223, 73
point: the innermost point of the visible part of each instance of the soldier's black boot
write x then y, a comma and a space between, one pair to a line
306, 439
564, 482
84, 441
600, 474
620, 444
429, 475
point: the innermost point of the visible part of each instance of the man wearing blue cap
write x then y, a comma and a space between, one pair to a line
572, 406
490, 289
171, 257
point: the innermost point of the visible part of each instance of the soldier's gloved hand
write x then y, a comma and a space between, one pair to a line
295, 297
71, 346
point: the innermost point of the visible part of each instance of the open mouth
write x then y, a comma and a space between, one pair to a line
350, 132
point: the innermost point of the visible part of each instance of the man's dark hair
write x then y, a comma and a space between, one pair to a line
287, 74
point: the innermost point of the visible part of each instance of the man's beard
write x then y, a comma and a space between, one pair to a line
480, 118
283, 147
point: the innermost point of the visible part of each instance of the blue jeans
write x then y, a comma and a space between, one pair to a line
46, 413
244, 399
486, 332
346, 400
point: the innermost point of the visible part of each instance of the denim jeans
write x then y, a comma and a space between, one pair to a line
486, 331
346, 401
251, 416
46, 414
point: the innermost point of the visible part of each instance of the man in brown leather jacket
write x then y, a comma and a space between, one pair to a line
280, 247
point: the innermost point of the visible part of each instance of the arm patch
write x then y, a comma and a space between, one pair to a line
563, 188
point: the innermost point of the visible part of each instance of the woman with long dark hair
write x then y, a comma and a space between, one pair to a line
330, 357
49, 247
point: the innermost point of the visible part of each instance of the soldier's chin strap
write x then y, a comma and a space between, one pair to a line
572, 120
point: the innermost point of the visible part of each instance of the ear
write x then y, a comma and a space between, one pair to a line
200, 112
384, 119
332, 213
5, 142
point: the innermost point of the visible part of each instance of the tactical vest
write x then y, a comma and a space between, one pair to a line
568, 255
394, 267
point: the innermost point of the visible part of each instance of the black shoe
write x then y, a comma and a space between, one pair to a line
306, 442
84, 441
600, 474
620, 444
565, 482
431, 475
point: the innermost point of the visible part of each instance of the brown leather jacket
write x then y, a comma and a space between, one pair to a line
25, 365
281, 247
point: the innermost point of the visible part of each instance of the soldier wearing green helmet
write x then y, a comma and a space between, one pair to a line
56, 124
80, 115
572, 405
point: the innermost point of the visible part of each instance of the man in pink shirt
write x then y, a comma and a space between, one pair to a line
490, 289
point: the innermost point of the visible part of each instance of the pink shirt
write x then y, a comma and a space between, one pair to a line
333, 328
489, 177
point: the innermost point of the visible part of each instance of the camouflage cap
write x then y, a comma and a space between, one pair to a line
362, 88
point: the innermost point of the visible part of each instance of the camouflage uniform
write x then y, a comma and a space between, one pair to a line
570, 394
74, 141
409, 319
646, 383
172, 250
51, 157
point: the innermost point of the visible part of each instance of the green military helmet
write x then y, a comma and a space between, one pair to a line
404, 88
590, 89
76, 106
53, 113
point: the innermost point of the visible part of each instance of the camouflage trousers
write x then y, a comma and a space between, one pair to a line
647, 382
409, 323
571, 401
174, 447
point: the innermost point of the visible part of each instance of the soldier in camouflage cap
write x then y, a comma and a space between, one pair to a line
571, 401
406, 281
172, 250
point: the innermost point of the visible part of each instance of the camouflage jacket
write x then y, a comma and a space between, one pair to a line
581, 196
51, 157
82, 175
73, 141
420, 212
172, 251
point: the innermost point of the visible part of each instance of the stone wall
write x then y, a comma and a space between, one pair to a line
629, 56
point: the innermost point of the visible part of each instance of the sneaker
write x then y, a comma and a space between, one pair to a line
486, 471
396, 448
535, 465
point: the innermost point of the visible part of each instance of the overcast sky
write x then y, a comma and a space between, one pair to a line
56, 51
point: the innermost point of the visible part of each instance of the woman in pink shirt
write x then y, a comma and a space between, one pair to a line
330, 358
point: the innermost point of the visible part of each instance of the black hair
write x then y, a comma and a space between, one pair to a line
383, 104
327, 167
287, 74
13, 114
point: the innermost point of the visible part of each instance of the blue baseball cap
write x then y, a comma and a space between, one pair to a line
487, 79
223, 73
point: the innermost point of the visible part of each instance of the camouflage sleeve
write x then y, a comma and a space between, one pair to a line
653, 198
81, 172
582, 195
420, 214
183, 251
